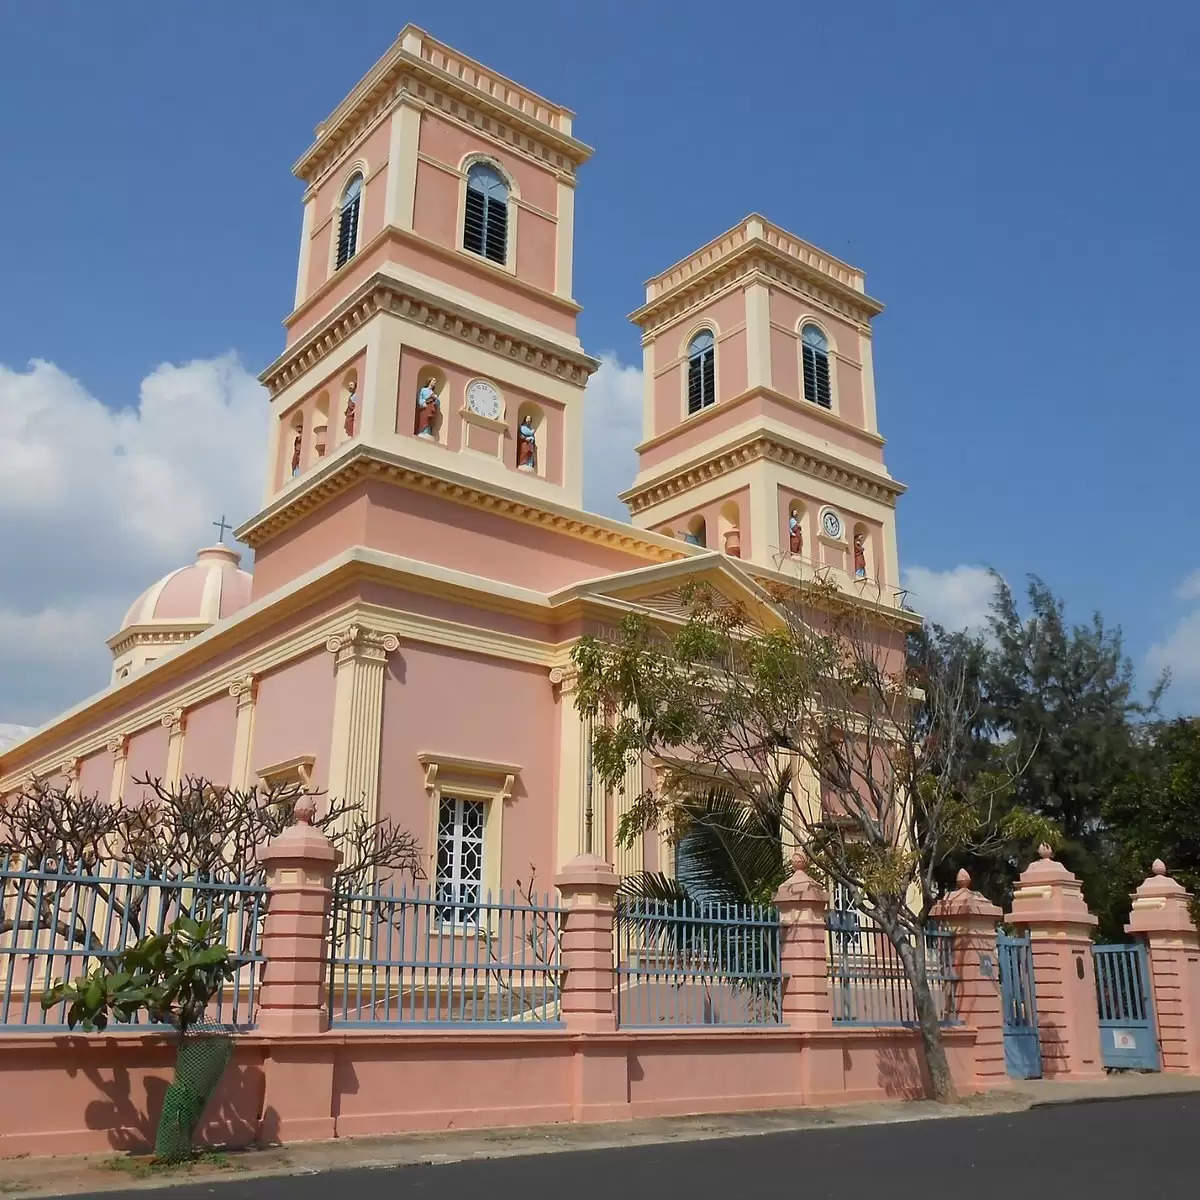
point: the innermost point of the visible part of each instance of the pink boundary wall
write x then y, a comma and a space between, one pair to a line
295, 1079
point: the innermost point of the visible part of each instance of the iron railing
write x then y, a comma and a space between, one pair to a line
59, 922
684, 962
415, 958
868, 982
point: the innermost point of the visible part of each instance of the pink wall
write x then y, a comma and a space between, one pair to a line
147, 756
208, 739
727, 317
294, 714
334, 527
95, 775
514, 720
414, 368
786, 312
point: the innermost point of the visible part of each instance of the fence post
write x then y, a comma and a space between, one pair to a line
972, 918
298, 1099
1049, 902
803, 905
600, 1066
1161, 915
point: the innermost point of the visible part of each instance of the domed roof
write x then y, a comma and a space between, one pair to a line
203, 593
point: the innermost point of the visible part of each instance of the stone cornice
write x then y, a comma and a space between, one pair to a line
434, 75
753, 448
171, 633
754, 259
383, 294
366, 462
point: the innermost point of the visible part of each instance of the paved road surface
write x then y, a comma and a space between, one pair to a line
1112, 1150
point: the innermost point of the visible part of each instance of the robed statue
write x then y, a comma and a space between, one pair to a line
526, 445
428, 407
351, 407
795, 534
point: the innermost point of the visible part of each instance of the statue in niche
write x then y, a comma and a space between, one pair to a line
860, 556
351, 406
526, 445
296, 454
795, 534
429, 406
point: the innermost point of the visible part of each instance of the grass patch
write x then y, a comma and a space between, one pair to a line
146, 1166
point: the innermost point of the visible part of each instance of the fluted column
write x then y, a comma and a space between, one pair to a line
244, 691
360, 659
118, 747
175, 723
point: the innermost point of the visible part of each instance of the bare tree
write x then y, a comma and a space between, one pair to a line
811, 716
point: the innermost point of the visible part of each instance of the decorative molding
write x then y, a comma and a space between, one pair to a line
470, 417
758, 447
244, 689
141, 635
358, 642
174, 720
118, 745
402, 76
383, 294
363, 463
297, 769
502, 776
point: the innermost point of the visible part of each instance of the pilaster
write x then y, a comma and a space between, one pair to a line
175, 723
360, 659
404, 141
306, 225
572, 757
565, 235
244, 691
758, 335
118, 747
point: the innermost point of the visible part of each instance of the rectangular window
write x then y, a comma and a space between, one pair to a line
458, 878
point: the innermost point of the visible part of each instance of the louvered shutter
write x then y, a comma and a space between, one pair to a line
347, 232
495, 244
473, 225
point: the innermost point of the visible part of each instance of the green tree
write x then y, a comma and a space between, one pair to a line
808, 717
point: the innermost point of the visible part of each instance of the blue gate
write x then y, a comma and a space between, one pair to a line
1127, 1037
1022, 1051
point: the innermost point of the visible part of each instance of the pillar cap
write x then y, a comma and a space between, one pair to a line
963, 902
587, 871
1048, 894
301, 840
1161, 905
800, 886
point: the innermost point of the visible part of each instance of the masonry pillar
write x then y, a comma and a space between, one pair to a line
175, 723
588, 887
118, 747
973, 918
803, 906
293, 1004
1161, 915
244, 691
360, 659
1049, 903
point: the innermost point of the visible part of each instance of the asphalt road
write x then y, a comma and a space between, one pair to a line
1112, 1150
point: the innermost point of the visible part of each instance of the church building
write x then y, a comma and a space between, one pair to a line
422, 562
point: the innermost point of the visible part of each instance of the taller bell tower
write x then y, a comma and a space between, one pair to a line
434, 321
760, 436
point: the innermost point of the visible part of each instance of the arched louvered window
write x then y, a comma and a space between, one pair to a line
347, 234
702, 380
815, 349
485, 225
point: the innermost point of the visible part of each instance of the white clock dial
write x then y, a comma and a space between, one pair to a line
832, 524
483, 399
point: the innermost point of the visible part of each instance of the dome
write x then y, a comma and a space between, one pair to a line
179, 606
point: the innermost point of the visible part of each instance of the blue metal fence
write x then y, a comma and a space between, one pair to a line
685, 962
413, 959
1127, 1035
868, 983
59, 922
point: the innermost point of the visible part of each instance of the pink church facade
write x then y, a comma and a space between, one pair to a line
423, 566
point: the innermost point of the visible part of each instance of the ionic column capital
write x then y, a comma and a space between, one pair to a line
244, 689
118, 745
566, 679
360, 643
174, 720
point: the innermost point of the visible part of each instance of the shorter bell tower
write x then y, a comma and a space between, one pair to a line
760, 437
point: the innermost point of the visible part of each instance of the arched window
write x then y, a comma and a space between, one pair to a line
816, 366
347, 236
485, 225
702, 381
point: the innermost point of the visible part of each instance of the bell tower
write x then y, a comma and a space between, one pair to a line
760, 437
434, 322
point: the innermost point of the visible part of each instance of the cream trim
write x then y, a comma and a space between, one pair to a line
403, 141
297, 769
758, 335
564, 233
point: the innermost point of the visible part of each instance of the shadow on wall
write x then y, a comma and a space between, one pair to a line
901, 1072
130, 1120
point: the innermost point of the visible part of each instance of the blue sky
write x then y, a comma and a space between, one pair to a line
1019, 181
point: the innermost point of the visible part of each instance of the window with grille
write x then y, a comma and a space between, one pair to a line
815, 349
347, 236
485, 225
459, 873
702, 380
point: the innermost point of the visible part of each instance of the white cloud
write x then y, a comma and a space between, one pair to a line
13, 733
97, 502
612, 426
1189, 588
959, 598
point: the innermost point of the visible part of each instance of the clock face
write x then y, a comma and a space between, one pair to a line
483, 399
832, 524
